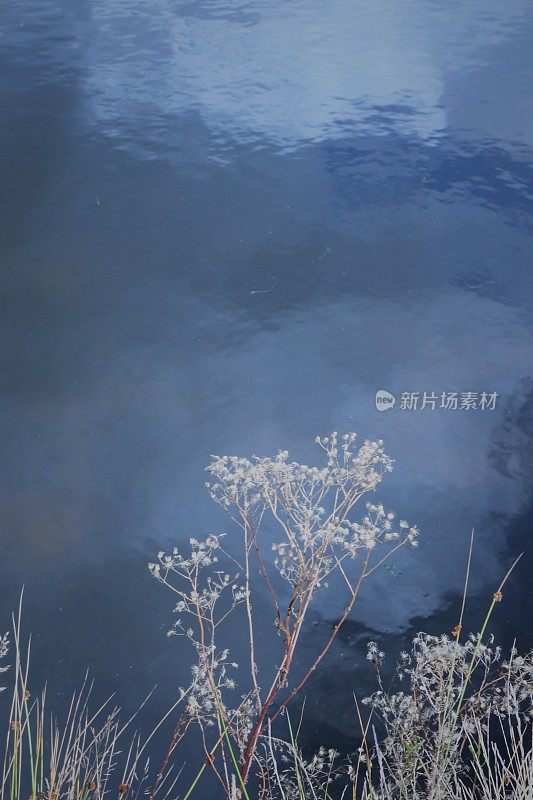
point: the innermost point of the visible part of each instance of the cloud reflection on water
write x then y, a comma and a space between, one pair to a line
284, 73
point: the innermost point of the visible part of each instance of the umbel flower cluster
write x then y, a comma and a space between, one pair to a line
316, 535
294, 521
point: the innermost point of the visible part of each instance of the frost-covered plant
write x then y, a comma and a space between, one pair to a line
437, 728
311, 537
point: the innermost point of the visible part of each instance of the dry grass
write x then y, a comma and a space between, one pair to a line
87, 755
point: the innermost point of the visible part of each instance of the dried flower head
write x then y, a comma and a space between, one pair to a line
312, 536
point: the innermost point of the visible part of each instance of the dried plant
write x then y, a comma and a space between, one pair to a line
457, 694
312, 537
291, 776
4, 650
78, 758
462, 730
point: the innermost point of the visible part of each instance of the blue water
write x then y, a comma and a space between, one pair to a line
225, 226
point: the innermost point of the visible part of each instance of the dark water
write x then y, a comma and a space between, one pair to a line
225, 226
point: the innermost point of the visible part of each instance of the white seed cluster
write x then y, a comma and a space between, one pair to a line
310, 505
315, 774
454, 689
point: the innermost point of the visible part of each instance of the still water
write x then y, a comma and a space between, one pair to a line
225, 226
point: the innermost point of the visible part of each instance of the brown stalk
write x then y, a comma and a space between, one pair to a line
327, 646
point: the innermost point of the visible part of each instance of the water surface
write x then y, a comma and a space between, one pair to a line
225, 226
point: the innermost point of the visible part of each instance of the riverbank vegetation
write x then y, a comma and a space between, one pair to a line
459, 728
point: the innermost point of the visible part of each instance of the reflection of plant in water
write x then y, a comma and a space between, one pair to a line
314, 539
